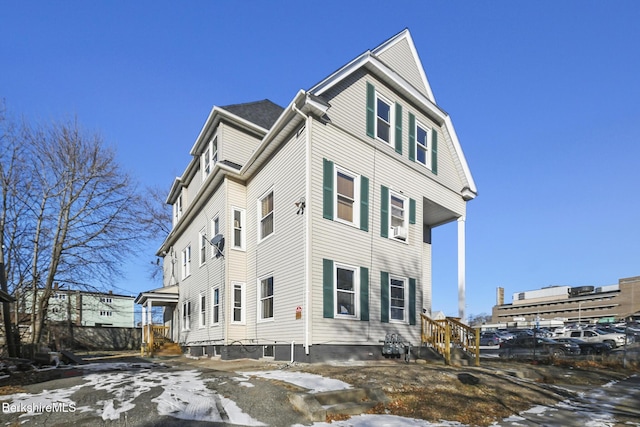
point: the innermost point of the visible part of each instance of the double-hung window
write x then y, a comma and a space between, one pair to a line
209, 157
186, 262
345, 291
215, 306
203, 246
398, 216
397, 299
177, 210
423, 145
238, 302
265, 206
265, 305
215, 230
203, 310
383, 119
238, 228
186, 315
346, 296
346, 196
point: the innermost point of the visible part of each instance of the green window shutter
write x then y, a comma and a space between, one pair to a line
384, 212
412, 301
364, 293
371, 111
398, 138
412, 137
327, 288
434, 151
412, 211
327, 189
364, 203
384, 297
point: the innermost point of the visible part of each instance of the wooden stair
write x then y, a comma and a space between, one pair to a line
168, 349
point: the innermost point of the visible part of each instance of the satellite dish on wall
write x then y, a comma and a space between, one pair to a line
218, 242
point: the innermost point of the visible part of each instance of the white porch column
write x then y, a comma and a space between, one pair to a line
149, 315
144, 316
461, 269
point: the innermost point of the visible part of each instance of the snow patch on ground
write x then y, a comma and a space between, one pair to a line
184, 394
312, 382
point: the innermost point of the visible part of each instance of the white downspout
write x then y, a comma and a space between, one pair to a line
307, 228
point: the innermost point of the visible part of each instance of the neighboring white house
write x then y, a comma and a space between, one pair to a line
84, 308
308, 228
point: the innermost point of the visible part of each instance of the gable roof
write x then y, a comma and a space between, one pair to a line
388, 62
263, 113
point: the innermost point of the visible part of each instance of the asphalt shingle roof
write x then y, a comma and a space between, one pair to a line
263, 113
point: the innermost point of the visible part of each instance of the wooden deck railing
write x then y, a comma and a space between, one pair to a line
152, 337
443, 335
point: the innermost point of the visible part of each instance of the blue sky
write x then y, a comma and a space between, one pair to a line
544, 97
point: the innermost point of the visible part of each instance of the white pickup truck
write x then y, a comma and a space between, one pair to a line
594, 335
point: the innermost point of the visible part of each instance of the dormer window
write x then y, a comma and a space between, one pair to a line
209, 157
177, 210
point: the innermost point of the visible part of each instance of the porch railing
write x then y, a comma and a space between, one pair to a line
446, 334
152, 337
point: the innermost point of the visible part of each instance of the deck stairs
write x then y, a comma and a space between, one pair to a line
455, 342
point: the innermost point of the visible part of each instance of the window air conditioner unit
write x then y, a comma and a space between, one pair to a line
399, 232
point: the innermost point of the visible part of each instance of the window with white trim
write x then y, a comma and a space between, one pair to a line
398, 299
347, 196
238, 228
203, 246
398, 216
383, 119
177, 209
215, 306
265, 207
209, 157
203, 310
106, 313
346, 291
186, 262
238, 303
186, 315
423, 145
265, 294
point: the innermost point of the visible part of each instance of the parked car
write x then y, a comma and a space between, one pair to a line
587, 348
595, 335
490, 338
505, 335
538, 346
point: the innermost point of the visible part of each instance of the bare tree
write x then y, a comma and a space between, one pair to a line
80, 213
157, 221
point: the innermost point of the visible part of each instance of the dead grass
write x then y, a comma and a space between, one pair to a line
434, 393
